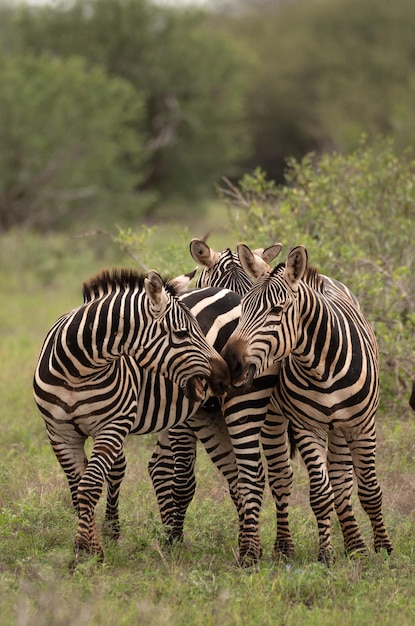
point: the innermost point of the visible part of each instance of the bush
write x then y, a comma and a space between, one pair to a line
68, 142
355, 214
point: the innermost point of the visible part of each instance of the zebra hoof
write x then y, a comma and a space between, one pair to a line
250, 556
283, 547
83, 558
248, 560
326, 557
85, 551
357, 551
82, 552
174, 538
111, 530
384, 544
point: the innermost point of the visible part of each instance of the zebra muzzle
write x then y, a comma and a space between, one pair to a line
246, 379
242, 372
219, 379
195, 389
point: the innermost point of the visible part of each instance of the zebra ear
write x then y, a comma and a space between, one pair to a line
156, 293
252, 263
181, 283
203, 254
270, 253
296, 266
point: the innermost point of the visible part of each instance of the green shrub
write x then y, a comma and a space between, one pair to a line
355, 214
70, 150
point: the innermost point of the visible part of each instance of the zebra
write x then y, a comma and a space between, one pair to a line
90, 367
171, 466
328, 384
217, 311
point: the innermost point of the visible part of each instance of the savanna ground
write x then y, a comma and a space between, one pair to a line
142, 581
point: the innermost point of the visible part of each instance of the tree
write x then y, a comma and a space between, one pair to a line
68, 142
191, 76
326, 72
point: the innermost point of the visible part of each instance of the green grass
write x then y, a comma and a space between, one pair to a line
142, 581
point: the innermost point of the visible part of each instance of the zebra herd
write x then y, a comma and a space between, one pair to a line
252, 357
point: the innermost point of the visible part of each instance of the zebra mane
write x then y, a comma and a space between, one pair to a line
311, 277
314, 279
276, 269
110, 280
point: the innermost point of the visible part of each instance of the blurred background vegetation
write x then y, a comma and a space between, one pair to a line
260, 120
130, 108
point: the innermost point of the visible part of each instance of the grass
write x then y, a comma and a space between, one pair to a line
142, 581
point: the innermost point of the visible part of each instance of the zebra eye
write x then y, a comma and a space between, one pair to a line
274, 313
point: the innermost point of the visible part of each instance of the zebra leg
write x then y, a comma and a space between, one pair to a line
107, 448
171, 466
115, 477
244, 432
161, 471
72, 458
210, 428
183, 445
363, 449
280, 475
245, 413
312, 447
171, 470
412, 396
340, 466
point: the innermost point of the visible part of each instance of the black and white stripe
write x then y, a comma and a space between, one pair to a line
412, 396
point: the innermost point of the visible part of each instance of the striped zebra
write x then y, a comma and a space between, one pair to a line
412, 396
217, 312
172, 464
328, 386
91, 366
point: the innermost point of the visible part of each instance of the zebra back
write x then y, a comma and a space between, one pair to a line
217, 311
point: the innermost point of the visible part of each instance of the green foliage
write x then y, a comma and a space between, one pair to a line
69, 144
355, 213
234, 86
189, 74
326, 72
150, 248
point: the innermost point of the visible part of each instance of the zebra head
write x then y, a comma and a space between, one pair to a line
268, 327
224, 269
177, 347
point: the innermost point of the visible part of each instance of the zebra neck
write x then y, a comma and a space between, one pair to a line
319, 341
103, 330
